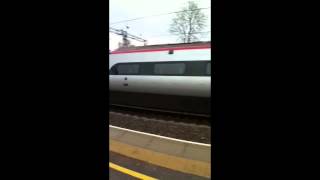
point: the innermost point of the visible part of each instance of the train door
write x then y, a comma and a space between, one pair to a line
119, 79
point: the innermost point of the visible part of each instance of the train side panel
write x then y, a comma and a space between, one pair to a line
177, 93
186, 104
179, 55
172, 85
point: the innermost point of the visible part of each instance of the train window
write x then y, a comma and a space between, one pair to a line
196, 68
208, 71
113, 71
146, 69
169, 68
127, 69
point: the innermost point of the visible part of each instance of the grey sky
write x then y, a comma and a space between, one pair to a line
153, 29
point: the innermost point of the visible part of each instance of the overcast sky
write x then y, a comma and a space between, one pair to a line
153, 29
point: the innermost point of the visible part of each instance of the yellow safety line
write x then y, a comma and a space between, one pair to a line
181, 164
130, 172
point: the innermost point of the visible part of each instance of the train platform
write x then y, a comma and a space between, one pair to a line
139, 155
125, 168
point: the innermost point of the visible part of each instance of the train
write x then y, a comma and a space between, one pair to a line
170, 77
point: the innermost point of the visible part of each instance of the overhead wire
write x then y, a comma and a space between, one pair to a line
160, 35
138, 18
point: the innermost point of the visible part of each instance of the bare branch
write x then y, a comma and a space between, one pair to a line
188, 23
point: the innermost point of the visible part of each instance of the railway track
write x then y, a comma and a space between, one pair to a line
162, 115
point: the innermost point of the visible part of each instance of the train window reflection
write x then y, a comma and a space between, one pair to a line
169, 68
209, 69
127, 69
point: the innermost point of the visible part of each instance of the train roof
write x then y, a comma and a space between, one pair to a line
163, 47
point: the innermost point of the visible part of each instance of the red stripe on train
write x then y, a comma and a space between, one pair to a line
162, 49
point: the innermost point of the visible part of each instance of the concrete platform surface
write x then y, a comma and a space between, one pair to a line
147, 169
178, 155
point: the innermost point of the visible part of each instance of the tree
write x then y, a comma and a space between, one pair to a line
188, 23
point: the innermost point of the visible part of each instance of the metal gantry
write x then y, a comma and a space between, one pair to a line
125, 35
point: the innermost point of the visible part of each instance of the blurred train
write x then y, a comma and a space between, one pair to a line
172, 77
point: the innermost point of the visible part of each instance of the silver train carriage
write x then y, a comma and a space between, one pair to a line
171, 77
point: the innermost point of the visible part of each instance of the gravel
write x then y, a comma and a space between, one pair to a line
179, 130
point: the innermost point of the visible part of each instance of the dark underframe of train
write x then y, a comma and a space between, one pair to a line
183, 104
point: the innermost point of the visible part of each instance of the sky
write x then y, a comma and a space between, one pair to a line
154, 29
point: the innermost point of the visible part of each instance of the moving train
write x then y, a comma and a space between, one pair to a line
172, 77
